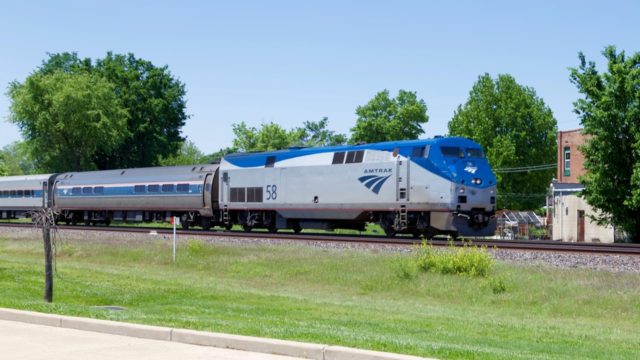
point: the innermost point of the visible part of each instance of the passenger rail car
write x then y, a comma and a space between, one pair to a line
420, 187
20, 195
145, 194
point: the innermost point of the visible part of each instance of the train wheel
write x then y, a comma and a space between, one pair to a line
416, 234
228, 226
247, 228
272, 229
390, 231
297, 229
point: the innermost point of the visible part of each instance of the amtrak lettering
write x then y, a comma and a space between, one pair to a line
378, 171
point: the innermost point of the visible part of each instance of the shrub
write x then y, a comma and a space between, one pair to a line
498, 285
466, 260
194, 247
404, 268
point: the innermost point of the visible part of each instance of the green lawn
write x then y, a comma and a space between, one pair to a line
349, 297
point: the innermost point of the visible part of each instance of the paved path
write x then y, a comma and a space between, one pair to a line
22, 341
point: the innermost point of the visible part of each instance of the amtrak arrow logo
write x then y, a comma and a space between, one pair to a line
373, 182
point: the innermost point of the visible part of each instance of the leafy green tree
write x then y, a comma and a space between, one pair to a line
610, 113
218, 155
3, 167
153, 97
270, 136
66, 118
385, 119
516, 129
316, 133
18, 159
189, 154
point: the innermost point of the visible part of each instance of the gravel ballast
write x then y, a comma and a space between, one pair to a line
602, 262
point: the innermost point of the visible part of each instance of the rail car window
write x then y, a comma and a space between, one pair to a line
87, 190
338, 158
76, 190
183, 187
168, 188
153, 188
475, 153
359, 156
139, 188
98, 190
207, 187
355, 157
452, 151
271, 160
20, 193
237, 194
254, 194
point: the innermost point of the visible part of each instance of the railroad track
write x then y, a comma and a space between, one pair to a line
533, 245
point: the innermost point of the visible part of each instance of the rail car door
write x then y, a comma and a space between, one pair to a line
208, 190
402, 179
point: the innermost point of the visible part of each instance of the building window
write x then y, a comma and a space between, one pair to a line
567, 161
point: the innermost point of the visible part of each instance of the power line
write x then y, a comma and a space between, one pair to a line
526, 168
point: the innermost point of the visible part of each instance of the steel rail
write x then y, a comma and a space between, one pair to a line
531, 245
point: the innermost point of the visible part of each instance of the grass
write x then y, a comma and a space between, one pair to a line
363, 299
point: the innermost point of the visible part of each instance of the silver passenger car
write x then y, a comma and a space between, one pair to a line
143, 194
19, 195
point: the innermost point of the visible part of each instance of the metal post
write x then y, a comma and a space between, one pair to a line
175, 220
48, 259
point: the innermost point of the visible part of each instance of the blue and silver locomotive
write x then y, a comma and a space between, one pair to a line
418, 187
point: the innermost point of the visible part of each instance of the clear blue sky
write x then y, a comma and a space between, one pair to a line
291, 61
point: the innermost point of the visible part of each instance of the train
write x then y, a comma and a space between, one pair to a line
427, 187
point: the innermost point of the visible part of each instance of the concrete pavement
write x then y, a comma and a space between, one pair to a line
22, 341
134, 341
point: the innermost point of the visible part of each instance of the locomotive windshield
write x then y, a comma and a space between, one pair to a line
475, 153
452, 151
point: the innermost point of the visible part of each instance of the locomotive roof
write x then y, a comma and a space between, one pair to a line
389, 145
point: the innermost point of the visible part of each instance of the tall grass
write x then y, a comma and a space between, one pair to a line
468, 260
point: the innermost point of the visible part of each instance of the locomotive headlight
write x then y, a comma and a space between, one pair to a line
477, 181
491, 191
461, 190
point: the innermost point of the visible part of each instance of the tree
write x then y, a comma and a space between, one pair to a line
516, 129
3, 167
18, 160
189, 154
154, 99
386, 119
316, 133
271, 136
67, 118
609, 111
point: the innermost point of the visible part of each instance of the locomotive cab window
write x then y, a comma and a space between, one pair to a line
475, 153
271, 160
338, 158
419, 152
452, 151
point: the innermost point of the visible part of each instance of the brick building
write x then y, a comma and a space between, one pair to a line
571, 215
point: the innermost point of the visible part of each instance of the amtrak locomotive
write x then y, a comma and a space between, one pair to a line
418, 187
